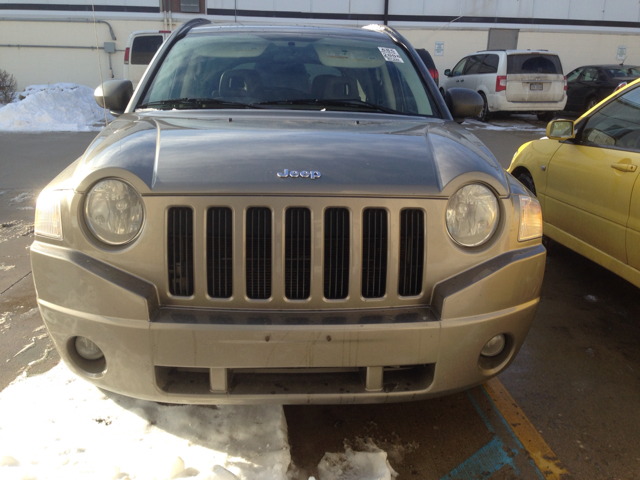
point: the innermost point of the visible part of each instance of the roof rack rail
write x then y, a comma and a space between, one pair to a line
185, 27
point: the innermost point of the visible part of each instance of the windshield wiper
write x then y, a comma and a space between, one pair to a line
359, 104
188, 103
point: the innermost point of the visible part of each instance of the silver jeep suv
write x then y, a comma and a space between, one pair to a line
288, 215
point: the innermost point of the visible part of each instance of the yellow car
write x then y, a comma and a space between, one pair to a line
585, 175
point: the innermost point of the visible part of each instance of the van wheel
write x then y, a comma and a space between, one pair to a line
484, 115
526, 179
546, 116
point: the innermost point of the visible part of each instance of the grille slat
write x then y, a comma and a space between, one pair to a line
374, 252
297, 253
258, 253
180, 251
336, 253
411, 252
219, 252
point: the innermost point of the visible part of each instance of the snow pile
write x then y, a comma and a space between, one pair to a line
352, 465
57, 426
61, 107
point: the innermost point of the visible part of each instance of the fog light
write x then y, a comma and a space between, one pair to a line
494, 346
89, 350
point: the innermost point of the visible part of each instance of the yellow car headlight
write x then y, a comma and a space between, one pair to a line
48, 222
530, 218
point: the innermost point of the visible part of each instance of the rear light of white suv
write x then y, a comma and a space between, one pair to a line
501, 83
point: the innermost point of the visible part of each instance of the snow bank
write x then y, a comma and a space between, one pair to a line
61, 107
57, 426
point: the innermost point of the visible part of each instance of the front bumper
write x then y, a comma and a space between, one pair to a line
207, 356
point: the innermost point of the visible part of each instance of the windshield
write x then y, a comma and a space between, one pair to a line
206, 70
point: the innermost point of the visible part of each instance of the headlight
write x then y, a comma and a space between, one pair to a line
114, 211
472, 215
48, 222
530, 219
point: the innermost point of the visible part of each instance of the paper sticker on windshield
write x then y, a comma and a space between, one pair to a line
390, 54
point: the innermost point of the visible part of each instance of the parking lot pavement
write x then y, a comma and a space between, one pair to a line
461, 436
577, 378
27, 163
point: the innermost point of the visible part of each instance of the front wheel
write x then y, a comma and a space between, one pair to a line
484, 115
527, 181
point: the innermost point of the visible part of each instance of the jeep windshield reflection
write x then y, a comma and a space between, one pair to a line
286, 71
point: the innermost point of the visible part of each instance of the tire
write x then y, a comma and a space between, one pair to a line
590, 103
484, 115
526, 179
546, 116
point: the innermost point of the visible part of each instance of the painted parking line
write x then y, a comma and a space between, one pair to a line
528, 436
516, 449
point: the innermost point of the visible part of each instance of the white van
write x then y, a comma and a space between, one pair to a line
142, 45
512, 81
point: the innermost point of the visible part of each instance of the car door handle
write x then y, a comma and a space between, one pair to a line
624, 167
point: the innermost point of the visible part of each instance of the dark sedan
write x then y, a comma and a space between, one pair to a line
588, 85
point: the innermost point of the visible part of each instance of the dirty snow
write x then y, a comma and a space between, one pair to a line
57, 426
60, 107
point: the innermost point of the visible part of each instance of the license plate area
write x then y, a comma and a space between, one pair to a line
535, 86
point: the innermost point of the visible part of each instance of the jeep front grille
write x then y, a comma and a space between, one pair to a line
180, 251
322, 256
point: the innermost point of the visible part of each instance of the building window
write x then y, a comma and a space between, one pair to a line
183, 6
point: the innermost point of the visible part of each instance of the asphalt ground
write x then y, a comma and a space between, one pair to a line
566, 408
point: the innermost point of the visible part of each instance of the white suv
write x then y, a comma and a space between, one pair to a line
512, 81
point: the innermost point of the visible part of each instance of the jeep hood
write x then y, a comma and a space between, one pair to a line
241, 152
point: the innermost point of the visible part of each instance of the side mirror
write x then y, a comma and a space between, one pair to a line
463, 103
561, 130
447, 72
114, 95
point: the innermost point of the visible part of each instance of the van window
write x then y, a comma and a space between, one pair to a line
534, 63
459, 68
473, 64
144, 48
490, 64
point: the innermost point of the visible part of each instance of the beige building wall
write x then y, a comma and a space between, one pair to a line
54, 64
